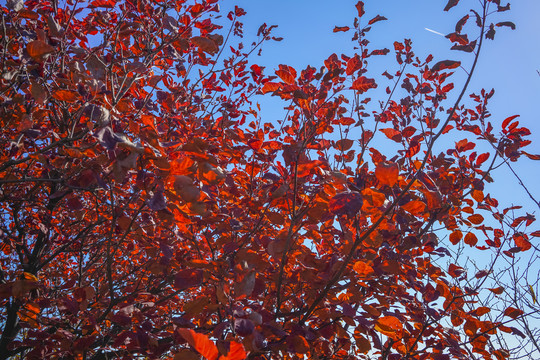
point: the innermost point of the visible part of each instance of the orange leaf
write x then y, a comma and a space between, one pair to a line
28, 313
497, 291
522, 242
415, 207
362, 268
201, 343
388, 325
387, 173
476, 219
236, 352
483, 310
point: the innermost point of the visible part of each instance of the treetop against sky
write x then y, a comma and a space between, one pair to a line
182, 179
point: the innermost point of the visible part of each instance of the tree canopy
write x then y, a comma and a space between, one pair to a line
149, 210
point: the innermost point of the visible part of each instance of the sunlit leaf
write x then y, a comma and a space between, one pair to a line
363, 84
389, 326
363, 269
200, 342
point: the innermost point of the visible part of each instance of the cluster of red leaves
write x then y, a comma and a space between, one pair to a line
148, 211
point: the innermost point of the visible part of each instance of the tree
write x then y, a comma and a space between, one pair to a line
149, 212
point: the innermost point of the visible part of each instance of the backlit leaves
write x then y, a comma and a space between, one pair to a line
201, 343
389, 326
151, 204
387, 173
363, 84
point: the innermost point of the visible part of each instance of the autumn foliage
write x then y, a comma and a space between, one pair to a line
148, 209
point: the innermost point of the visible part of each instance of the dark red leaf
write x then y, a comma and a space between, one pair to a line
360, 8
376, 19
450, 4
461, 22
341, 28
445, 64
508, 24
348, 203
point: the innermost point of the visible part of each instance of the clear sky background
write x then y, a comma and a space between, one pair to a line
509, 64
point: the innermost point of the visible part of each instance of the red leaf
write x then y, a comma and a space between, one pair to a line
270, 87
376, 19
470, 239
205, 44
346, 121
482, 158
535, 233
109, 4
467, 48
508, 120
363, 84
497, 291
66, 95
415, 207
445, 64
344, 144
348, 203
531, 156
459, 38
450, 4
476, 219
513, 312
455, 271
522, 242
287, 74
354, 63
236, 352
387, 173
37, 49
456, 237
392, 134
360, 8
201, 343
341, 28
461, 22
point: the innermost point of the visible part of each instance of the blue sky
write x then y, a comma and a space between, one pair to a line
509, 64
